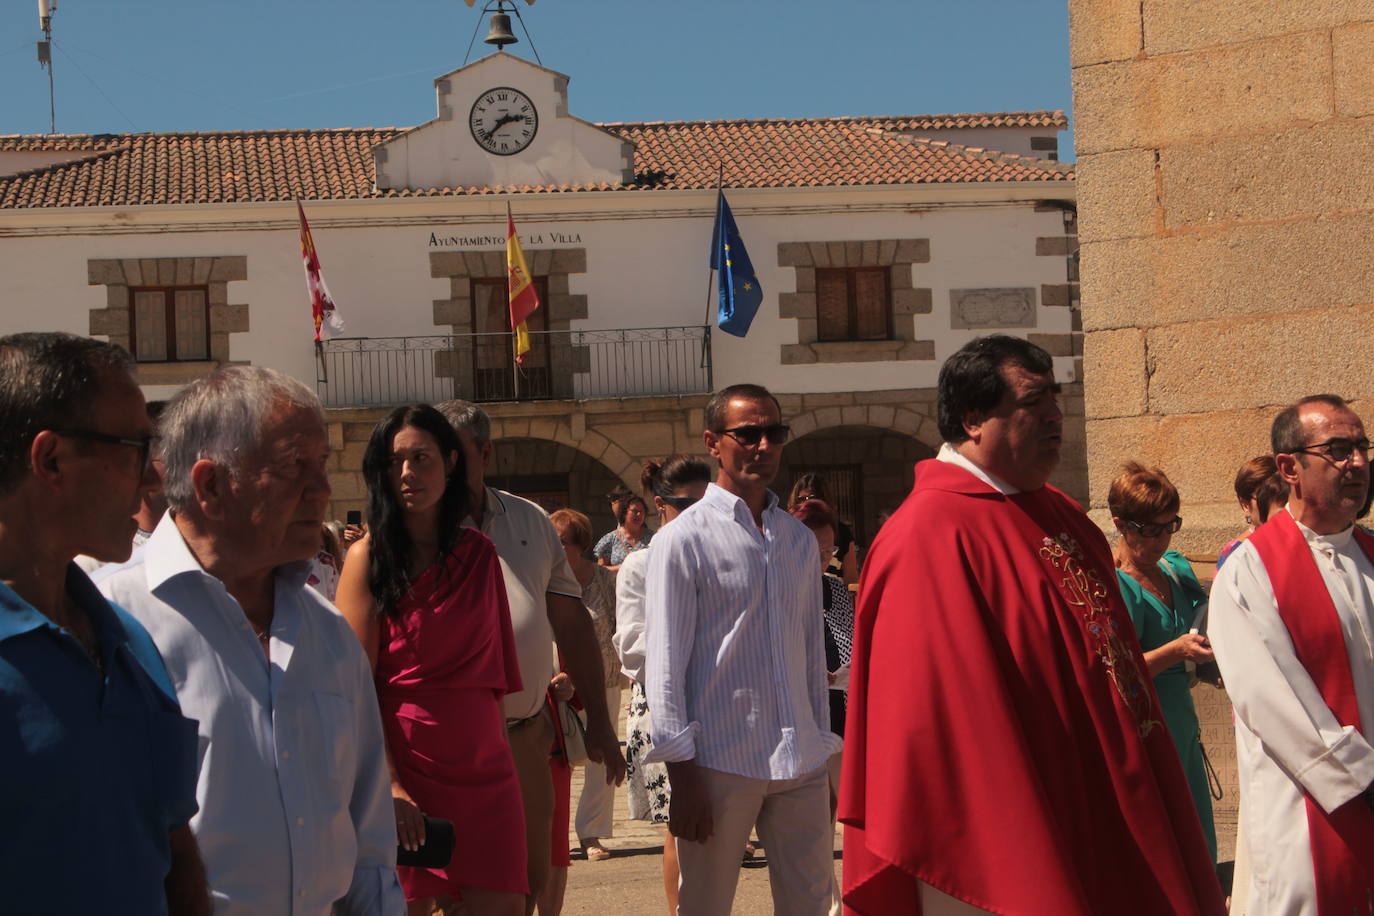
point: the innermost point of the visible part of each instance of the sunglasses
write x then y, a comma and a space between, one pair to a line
1338, 450
1150, 530
144, 445
750, 436
680, 503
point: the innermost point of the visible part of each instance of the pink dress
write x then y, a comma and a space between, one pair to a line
442, 667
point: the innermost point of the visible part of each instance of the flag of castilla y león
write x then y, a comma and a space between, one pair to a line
328, 321
524, 298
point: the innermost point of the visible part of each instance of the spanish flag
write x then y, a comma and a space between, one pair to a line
524, 298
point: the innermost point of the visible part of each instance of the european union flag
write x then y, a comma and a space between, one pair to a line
739, 290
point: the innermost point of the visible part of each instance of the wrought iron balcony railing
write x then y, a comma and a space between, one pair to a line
633, 362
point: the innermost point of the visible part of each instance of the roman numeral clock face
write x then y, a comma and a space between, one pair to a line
503, 121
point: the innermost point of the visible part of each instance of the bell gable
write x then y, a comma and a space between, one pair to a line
478, 142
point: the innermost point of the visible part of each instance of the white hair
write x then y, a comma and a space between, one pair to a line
221, 418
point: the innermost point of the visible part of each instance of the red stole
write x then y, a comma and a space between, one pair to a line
1342, 841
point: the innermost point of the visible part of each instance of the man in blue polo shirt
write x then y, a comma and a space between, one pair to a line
99, 764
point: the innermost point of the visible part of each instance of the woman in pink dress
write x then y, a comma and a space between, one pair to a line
426, 598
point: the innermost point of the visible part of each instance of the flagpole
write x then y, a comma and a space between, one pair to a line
324, 366
514, 334
711, 273
321, 367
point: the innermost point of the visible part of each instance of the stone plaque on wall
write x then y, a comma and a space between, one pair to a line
1012, 307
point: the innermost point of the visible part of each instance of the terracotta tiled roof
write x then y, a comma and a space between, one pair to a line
59, 142
250, 166
1055, 119
812, 152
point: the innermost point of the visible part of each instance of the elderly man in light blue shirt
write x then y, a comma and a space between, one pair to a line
295, 813
735, 674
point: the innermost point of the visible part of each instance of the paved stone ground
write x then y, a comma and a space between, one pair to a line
631, 881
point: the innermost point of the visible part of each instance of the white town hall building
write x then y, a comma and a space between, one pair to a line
881, 243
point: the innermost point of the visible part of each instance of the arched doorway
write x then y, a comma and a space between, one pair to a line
868, 470
554, 475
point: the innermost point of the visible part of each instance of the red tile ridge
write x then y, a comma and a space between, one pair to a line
978, 152
1044, 117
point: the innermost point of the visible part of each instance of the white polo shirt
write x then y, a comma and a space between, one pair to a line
533, 563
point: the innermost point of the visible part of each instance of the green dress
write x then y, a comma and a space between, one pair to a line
1157, 625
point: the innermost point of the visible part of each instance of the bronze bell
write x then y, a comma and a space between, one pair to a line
500, 34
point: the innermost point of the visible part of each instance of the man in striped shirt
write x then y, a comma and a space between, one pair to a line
735, 673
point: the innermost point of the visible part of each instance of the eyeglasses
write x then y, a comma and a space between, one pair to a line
680, 503
1337, 450
1151, 530
750, 436
144, 445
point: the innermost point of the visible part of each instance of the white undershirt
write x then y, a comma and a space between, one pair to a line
950, 455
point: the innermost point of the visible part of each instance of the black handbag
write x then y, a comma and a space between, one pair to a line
437, 849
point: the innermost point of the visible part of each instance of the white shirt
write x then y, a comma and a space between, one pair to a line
90, 565
735, 662
629, 614
1288, 740
295, 798
532, 563
950, 455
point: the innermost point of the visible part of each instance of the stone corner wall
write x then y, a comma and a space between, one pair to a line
1225, 205
1225, 208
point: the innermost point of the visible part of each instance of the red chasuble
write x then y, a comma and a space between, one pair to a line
1342, 841
1004, 743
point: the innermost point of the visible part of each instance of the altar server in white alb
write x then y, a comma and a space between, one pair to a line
1291, 619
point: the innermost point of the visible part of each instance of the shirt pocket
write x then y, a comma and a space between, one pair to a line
333, 734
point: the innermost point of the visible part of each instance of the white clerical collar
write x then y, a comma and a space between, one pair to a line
1338, 541
951, 455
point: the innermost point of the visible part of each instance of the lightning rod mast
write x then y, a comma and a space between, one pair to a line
45, 10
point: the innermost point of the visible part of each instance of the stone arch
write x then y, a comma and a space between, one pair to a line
891, 417
871, 466
591, 443
539, 457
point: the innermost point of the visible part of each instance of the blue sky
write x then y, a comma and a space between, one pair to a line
154, 65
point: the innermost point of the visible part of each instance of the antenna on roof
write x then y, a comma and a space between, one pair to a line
45, 10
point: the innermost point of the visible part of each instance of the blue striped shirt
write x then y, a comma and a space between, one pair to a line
735, 659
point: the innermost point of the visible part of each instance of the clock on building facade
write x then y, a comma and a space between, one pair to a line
503, 121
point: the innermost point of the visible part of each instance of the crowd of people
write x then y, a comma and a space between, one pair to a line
216, 700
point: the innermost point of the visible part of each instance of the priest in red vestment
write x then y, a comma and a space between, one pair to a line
1005, 751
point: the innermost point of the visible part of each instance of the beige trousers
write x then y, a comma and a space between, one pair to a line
530, 742
793, 820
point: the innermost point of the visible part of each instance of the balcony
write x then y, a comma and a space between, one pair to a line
627, 363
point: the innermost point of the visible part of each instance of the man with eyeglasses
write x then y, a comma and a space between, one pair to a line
151, 507
1004, 750
99, 762
1290, 623
735, 674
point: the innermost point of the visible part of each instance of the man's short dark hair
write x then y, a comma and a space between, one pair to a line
720, 401
971, 379
48, 381
1286, 434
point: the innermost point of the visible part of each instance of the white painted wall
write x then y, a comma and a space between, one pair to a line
1003, 139
647, 255
14, 161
